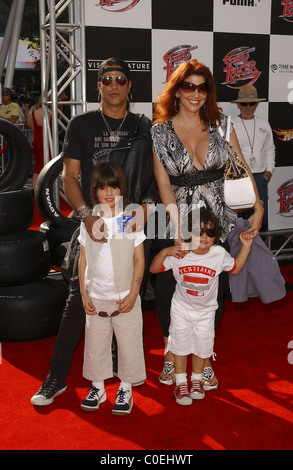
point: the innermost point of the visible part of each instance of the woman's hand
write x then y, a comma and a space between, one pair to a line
255, 221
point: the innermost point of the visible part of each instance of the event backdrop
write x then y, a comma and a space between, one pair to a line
242, 41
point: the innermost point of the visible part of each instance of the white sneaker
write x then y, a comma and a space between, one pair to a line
94, 399
123, 404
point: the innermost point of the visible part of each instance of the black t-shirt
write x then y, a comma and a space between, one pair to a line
88, 140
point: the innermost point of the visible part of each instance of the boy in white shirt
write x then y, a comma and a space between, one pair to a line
194, 301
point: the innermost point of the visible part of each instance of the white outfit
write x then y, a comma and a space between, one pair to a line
127, 327
256, 133
195, 300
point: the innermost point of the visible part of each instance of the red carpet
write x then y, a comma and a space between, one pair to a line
251, 410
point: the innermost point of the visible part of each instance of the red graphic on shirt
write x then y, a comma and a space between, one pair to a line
196, 279
195, 293
197, 270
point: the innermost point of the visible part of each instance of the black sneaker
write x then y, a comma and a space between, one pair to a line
50, 388
123, 404
93, 400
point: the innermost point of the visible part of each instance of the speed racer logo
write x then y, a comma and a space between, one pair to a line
175, 57
117, 6
287, 13
240, 67
285, 193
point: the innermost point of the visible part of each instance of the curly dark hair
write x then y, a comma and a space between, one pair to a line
206, 217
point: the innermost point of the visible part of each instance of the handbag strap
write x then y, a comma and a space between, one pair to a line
231, 152
227, 138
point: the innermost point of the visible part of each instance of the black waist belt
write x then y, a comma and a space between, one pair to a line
197, 178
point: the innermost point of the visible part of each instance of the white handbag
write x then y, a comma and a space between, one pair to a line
238, 188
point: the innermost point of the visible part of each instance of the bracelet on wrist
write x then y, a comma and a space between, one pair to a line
85, 213
81, 208
148, 200
259, 201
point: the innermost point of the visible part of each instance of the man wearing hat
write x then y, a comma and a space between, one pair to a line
111, 133
256, 141
9, 110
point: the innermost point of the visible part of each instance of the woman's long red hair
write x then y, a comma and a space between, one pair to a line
165, 105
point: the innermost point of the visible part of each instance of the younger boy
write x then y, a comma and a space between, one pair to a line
194, 301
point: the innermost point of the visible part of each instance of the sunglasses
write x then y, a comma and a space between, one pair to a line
250, 104
5, 94
210, 232
105, 314
189, 87
119, 79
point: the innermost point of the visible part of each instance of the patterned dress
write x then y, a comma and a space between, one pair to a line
190, 185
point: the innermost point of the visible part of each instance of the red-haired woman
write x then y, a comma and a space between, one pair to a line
189, 160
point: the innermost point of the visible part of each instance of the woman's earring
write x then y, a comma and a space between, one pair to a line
177, 104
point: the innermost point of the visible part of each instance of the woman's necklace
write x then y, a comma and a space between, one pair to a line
251, 144
114, 135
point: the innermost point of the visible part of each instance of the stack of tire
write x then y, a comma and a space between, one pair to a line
31, 298
49, 197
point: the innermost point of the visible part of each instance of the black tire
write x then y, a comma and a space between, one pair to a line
24, 257
16, 211
48, 203
20, 161
57, 236
32, 312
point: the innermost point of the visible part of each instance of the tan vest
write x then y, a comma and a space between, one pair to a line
122, 250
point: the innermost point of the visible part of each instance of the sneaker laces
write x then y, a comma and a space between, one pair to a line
121, 396
93, 392
196, 385
183, 389
49, 384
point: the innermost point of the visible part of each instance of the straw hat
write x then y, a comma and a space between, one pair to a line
247, 94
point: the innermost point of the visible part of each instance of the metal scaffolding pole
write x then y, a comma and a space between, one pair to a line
61, 42
10, 42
